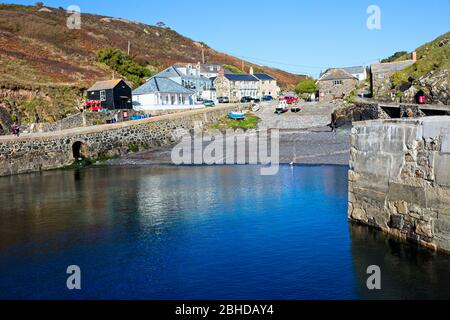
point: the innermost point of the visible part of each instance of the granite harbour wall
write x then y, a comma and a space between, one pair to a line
399, 178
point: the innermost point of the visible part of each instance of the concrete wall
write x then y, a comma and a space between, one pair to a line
399, 178
50, 150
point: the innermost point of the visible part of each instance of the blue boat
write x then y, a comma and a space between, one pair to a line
236, 116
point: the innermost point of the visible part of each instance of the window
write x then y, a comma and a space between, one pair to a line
380, 76
338, 82
172, 99
102, 95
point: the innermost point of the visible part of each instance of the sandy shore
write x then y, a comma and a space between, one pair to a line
305, 138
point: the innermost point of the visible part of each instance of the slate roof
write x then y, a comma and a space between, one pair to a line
354, 70
263, 76
391, 66
161, 84
105, 85
336, 74
240, 77
205, 68
170, 72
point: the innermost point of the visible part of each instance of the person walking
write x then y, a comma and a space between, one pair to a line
15, 129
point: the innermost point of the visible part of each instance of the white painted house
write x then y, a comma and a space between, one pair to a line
160, 93
359, 72
190, 77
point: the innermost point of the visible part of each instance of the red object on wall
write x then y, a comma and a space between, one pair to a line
422, 99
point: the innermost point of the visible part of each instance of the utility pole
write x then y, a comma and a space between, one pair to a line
243, 67
129, 47
203, 55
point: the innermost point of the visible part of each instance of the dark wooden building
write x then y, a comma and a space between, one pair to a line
113, 94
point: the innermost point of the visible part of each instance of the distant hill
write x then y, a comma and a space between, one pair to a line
430, 74
45, 66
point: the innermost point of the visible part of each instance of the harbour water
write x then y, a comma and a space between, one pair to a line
222, 232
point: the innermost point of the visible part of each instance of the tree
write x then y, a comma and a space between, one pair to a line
395, 56
306, 86
161, 24
118, 61
39, 5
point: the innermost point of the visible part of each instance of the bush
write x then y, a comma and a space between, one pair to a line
395, 56
306, 86
232, 69
124, 65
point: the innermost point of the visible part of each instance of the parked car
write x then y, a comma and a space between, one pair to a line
256, 100
209, 103
291, 100
223, 100
247, 99
267, 98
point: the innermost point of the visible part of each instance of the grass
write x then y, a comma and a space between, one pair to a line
430, 57
250, 122
232, 69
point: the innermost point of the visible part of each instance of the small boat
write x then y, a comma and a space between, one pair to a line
282, 107
296, 109
236, 116
256, 108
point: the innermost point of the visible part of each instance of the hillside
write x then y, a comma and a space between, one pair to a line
45, 66
431, 72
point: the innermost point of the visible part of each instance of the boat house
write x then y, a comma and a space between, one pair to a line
113, 94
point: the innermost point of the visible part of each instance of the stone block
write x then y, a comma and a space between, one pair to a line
438, 198
442, 169
434, 127
445, 148
410, 194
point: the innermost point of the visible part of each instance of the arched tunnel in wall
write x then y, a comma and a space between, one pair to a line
79, 150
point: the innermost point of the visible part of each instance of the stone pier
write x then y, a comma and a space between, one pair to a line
51, 150
399, 178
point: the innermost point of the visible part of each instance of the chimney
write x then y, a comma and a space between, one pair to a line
414, 56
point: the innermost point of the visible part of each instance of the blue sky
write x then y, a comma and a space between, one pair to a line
299, 36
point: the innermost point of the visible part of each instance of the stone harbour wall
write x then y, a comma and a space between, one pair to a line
50, 150
399, 178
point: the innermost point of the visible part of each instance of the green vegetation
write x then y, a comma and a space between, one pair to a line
400, 55
251, 122
306, 86
133, 148
118, 61
232, 69
87, 162
430, 57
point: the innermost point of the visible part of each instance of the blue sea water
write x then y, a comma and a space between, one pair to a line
221, 232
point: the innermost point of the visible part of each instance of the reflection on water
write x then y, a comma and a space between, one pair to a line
199, 232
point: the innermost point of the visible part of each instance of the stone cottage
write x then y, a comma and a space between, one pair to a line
267, 85
381, 73
236, 86
336, 84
